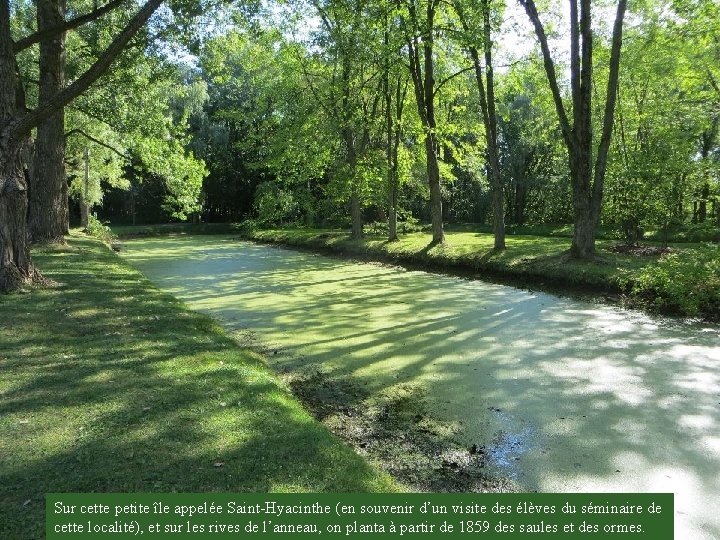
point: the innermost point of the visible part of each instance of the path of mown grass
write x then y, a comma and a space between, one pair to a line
110, 385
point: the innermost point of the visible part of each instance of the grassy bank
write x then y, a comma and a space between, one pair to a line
686, 281
529, 258
110, 385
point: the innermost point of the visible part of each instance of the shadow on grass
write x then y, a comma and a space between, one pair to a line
110, 385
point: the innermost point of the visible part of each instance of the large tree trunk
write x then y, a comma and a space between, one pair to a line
48, 205
48, 216
16, 268
585, 223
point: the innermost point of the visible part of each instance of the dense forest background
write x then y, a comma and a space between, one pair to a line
378, 114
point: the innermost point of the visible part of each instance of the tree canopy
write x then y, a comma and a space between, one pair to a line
329, 112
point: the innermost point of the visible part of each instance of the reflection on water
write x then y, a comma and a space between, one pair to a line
564, 395
508, 446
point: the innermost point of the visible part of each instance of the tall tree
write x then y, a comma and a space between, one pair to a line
48, 207
486, 92
394, 87
16, 123
587, 175
353, 97
420, 37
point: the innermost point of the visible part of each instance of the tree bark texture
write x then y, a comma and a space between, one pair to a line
48, 206
16, 268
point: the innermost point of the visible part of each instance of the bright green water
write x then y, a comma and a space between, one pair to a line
568, 396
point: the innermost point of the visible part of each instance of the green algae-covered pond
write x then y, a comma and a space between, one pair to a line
561, 395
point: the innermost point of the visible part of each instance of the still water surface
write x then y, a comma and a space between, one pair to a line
568, 396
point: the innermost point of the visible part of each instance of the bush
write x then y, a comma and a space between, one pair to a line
686, 282
99, 230
248, 227
694, 232
273, 205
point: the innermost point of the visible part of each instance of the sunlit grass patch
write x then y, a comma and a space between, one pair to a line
110, 385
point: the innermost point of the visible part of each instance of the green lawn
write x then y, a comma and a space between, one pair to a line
110, 385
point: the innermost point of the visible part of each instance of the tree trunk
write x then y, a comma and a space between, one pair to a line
48, 205
702, 207
356, 215
587, 180
486, 94
433, 172
424, 84
390, 156
431, 143
16, 268
84, 198
583, 240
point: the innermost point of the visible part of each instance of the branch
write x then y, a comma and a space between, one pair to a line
713, 82
96, 141
451, 77
52, 31
603, 148
532, 13
101, 65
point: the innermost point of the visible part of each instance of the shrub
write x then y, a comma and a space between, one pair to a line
686, 281
248, 227
99, 230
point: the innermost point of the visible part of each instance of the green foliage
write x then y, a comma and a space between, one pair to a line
678, 232
274, 205
685, 281
136, 128
99, 230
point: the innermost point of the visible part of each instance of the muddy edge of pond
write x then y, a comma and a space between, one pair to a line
394, 429
398, 433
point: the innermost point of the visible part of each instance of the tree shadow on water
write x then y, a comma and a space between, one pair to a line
111, 386
563, 395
